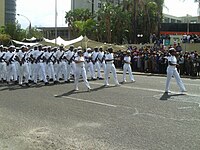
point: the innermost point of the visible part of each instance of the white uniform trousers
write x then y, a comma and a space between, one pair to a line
39, 68
31, 69
69, 70
89, 67
81, 71
127, 67
55, 67
23, 71
98, 68
73, 64
3, 71
172, 71
50, 71
17, 67
61, 71
11, 72
110, 67
103, 65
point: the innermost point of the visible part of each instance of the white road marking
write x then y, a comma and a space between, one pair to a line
182, 108
184, 83
147, 89
89, 101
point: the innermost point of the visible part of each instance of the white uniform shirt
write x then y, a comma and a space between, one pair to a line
87, 56
109, 56
173, 60
127, 59
37, 53
2, 53
101, 55
95, 55
81, 64
59, 54
47, 54
20, 54
69, 54
8, 55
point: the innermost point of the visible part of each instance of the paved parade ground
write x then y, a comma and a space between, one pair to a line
133, 116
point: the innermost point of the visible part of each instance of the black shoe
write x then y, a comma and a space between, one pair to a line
56, 82
27, 84
68, 81
51, 80
46, 83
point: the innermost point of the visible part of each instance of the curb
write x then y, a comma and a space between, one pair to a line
153, 74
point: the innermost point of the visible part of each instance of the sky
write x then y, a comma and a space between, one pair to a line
41, 13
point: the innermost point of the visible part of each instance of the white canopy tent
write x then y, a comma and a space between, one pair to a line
24, 43
60, 41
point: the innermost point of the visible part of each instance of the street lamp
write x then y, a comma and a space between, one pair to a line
92, 2
56, 14
139, 37
188, 24
29, 27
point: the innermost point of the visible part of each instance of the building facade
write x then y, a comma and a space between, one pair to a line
49, 32
2, 12
92, 5
185, 19
7, 11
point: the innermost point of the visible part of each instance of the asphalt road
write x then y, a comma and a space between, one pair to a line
133, 116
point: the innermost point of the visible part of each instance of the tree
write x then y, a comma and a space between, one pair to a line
34, 32
118, 23
77, 15
85, 27
15, 31
4, 38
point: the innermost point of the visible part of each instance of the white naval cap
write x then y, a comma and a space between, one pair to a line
11, 46
79, 47
89, 49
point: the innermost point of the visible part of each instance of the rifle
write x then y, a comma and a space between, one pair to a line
49, 59
95, 60
1, 58
23, 59
103, 58
38, 58
70, 60
10, 60
60, 58
31, 59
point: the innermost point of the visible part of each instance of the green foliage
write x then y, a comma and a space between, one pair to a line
78, 15
15, 31
4, 38
118, 23
85, 27
34, 32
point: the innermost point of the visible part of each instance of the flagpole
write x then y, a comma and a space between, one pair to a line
56, 32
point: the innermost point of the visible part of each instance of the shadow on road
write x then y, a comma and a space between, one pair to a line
79, 92
167, 96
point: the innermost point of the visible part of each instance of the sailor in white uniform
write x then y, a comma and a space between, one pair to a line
110, 67
3, 71
80, 70
172, 71
11, 68
127, 67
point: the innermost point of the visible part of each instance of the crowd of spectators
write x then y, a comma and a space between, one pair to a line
154, 60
